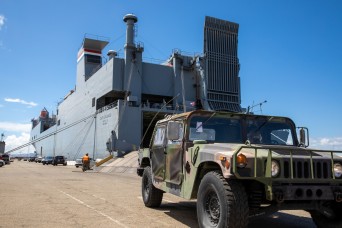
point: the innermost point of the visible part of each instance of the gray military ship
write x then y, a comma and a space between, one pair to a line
115, 102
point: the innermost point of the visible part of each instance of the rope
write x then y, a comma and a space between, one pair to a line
50, 134
155, 117
85, 136
73, 142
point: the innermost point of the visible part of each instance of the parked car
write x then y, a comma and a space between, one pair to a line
47, 160
32, 159
38, 159
79, 163
5, 158
59, 160
2, 163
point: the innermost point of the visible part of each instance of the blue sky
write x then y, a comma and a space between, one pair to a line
290, 53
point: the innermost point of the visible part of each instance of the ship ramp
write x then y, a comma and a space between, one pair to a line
126, 164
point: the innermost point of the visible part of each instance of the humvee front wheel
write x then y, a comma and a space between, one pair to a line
322, 219
221, 202
152, 196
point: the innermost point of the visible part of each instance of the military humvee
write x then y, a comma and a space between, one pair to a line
240, 166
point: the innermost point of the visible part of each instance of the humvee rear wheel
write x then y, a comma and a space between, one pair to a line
221, 202
331, 221
152, 196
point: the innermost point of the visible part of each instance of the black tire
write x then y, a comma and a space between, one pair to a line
152, 196
221, 202
322, 220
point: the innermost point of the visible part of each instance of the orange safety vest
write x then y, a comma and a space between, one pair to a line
85, 158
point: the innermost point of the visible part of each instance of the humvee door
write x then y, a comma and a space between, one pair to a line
158, 151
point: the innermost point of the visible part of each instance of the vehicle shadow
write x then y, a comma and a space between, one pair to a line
282, 220
80, 171
185, 213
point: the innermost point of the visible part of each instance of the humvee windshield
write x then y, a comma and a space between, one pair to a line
238, 129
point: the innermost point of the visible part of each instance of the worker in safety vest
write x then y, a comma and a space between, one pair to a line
86, 160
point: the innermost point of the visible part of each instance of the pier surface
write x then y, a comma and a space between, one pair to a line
36, 195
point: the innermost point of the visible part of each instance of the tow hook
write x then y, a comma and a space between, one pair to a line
338, 197
279, 196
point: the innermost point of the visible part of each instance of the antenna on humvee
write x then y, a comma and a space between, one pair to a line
155, 117
250, 108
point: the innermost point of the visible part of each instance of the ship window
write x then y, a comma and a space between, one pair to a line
93, 102
58, 122
93, 59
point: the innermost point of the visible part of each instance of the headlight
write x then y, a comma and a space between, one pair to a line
338, 170
275, 170
241, 161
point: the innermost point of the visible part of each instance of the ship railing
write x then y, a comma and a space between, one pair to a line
155, 61
186, 53
107, 107
95, 37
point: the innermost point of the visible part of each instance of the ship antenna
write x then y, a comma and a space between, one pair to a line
155, 117
2, 137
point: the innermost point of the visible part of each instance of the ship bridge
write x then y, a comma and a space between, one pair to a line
91, 53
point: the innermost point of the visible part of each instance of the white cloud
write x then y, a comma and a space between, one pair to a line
13, 141
2, 21
17, 100
15, 127
21, 136
334, 143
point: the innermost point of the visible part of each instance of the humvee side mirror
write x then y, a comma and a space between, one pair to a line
303, 136
173, 130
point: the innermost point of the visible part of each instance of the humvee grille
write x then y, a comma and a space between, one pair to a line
302, 165
302, 169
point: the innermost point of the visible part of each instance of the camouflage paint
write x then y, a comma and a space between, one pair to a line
181, 170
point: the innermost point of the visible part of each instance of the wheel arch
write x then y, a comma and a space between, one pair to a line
145, 161
203, 169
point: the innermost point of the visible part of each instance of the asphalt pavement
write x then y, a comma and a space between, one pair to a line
33, 195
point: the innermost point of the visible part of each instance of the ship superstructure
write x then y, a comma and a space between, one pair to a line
114, 102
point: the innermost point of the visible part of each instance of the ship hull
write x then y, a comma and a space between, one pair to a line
73, 141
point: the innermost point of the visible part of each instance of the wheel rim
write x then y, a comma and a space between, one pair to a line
212, 207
